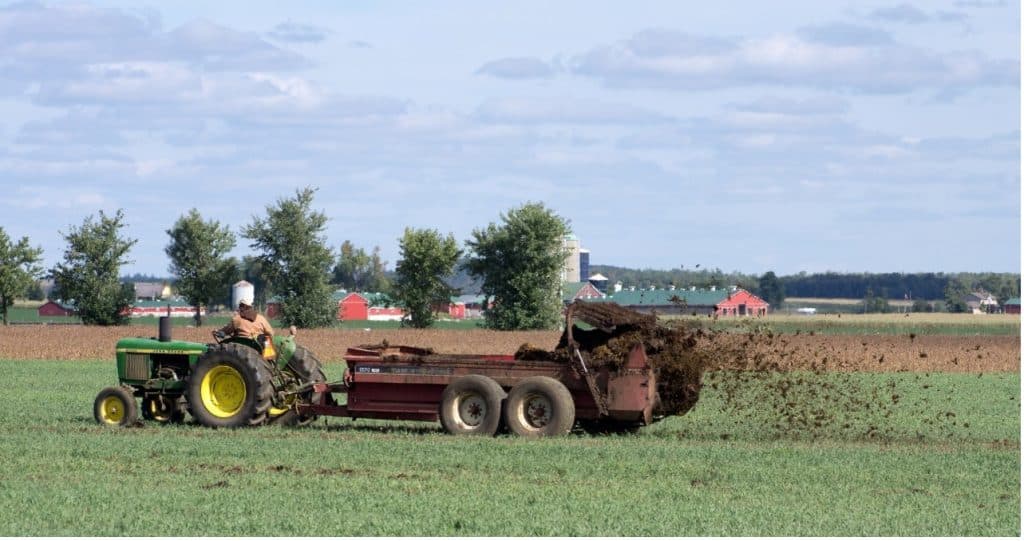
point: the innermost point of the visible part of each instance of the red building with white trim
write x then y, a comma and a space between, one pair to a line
742, 303
353, 307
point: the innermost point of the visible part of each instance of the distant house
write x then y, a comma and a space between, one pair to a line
723, 302
981, 302
600, 282
579, 290
467, 306
151, 290
173, 308
385, 313
353, 307
741, 302
1012, 306
56, 309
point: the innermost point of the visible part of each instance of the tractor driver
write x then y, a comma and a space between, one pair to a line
247, 322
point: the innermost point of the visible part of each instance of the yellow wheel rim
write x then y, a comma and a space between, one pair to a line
223, 391
112, 410
277, 412
160, 410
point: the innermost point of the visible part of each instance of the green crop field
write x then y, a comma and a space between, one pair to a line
724, 469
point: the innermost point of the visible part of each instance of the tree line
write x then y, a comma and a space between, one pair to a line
517, 262
833, 285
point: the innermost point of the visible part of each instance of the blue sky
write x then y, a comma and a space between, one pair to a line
749, 136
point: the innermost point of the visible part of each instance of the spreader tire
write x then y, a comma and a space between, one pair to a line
115, 406
471, 405
540, 406
308, 369
163, 409
230, 387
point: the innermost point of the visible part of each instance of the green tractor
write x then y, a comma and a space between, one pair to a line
231, 383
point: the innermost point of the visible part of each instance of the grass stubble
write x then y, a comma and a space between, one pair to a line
785, 440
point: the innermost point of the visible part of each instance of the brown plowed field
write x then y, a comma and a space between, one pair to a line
837, 352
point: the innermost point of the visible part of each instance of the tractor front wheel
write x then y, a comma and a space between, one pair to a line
115, 406
230, 387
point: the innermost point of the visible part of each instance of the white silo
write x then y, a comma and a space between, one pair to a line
239, 290
571, 270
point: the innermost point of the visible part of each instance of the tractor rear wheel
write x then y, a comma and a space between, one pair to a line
471, 405
540, 406
163, 409
115, 406
230, 387
307, 369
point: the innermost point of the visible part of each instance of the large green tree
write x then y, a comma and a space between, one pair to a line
771, 290
88, 275
295, 259
427, 259
198, 251
520, 262
357, 270
954, 295
19, 270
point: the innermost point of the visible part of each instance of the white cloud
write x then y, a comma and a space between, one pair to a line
563, 111
299, 33
858, 63
53, 198
518, 68
62, 44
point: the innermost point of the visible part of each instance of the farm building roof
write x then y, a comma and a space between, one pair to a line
666, 297
160, 304
469, 299
571, 289
67, 305
1015, 301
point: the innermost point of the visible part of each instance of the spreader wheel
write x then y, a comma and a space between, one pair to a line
472, 405
540, 406
115, 406
163, 409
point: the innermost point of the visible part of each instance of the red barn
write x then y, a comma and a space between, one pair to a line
742, 303
1012, 306
353, 307
457, 310
51, 309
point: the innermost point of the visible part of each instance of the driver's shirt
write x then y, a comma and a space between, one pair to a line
240, 326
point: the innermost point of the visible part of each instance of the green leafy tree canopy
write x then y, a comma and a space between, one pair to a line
89, 272
427, 259
295, 259
198, 251
520, 263
954, 295
359, 271
770, 289
19, 270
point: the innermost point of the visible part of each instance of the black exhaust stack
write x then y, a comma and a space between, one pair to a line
165, 328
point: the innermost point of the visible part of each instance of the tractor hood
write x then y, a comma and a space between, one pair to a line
152, 345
